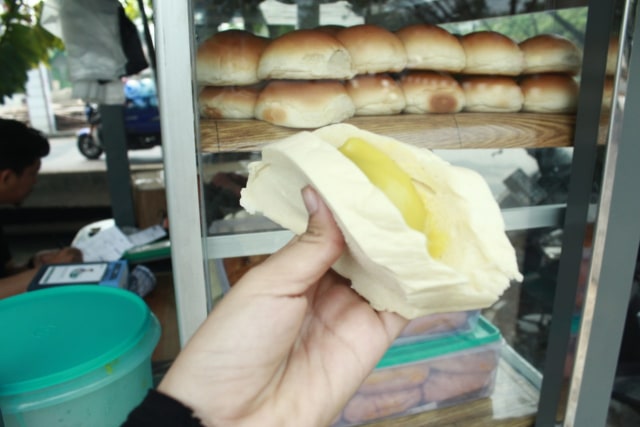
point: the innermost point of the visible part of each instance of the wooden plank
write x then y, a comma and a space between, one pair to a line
435, 131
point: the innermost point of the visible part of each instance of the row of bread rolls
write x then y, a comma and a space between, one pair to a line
238, 58
394, 391
315, 103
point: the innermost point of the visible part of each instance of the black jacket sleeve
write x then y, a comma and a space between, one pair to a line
159, 410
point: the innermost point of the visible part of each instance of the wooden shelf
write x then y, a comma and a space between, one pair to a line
463, 130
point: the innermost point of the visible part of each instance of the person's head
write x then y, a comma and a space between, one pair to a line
21, 149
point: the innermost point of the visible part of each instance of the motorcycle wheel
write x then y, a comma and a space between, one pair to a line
89, 147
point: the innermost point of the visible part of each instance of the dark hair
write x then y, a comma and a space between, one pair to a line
20, 145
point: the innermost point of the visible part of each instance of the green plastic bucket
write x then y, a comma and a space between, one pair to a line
74, 356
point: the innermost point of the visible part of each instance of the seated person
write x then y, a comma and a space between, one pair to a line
21, 150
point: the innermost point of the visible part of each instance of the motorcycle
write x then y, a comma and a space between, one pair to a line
141, 123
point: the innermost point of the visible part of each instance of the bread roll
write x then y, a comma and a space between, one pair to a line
550, 53
612, 56
228, 102
467, 363
430, 47
305, 55
375, 94
395, 379
363, 408
301, 104
442, 386
435, 324
607, 94
549, 93
373, 49
431, 92
489, 52
330, 29
229, 58
492, 94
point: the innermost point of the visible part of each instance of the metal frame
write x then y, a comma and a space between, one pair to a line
599, 24
617, 230
615, 247
175, 58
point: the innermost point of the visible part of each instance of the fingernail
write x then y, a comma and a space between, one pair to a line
310, 199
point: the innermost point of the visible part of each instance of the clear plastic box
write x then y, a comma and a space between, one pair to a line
422, 376
438, 325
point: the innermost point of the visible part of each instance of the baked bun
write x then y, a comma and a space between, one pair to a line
430, 47
607, 94
229, 58
330, 28
549, 53
375, 94
492, 94
373, 49
549, 93
612, 56
489, 52
431, 92
228, 102
304, 104
305, 55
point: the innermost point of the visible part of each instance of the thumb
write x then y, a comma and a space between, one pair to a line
306, 258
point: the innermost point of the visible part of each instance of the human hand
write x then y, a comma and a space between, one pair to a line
57, 256
290, 343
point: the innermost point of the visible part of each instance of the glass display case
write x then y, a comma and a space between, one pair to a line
561, 179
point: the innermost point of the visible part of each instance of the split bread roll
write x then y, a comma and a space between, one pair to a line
492, 94
461, 260
549, 93
430, 47
373, 49
304, 104
489, 52
376, 94
305, 55
546, 53
431, 92
228, 102
229, 58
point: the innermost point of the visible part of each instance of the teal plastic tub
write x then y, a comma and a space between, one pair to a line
74, 356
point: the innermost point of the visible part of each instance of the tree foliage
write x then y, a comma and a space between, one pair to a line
24, 43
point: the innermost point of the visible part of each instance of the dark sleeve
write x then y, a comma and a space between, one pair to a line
159, 410
5, 254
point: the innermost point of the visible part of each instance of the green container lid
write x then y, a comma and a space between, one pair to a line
484, 333
55, 335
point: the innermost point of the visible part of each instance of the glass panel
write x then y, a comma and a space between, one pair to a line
520, 175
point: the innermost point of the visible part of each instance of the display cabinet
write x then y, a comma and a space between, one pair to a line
564, 181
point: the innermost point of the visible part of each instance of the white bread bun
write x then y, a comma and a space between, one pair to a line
304, 104
492, 94
387, 261
229, 58
549, 53
375, 94
489, 52
430, 47
305, 55
373, 49
228, 102
607, 94
549, 93
431, 92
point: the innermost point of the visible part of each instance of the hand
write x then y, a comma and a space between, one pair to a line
290, 343
59, 256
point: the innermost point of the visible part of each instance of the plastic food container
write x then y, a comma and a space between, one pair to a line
422, 376
438, 325
74, 356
